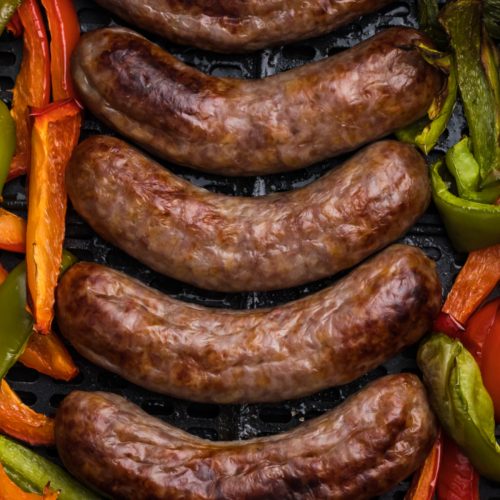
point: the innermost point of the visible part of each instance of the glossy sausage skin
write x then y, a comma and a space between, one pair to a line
224, 356
230, 243
362, 448
252, 127
240, 25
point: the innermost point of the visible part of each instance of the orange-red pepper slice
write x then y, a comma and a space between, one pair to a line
21, 422
10, 491
474, 283
32, 86
12, 232
14, 26
424, 481
65, 32
55, 134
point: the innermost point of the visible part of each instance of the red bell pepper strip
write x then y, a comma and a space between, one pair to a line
490, 318
32, 86
65, 32
12, 232
15, 26
9, 490
21, 422
55, 134
3, 274
457, 479
424, 481
474, 283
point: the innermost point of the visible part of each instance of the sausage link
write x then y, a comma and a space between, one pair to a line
240, 25
362, 448
234, 244
224, 356
252, 127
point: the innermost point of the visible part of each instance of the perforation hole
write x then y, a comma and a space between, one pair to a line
6, 83
204, 433
275, 415
28, 398
197, 410
94, 18
299, 52
56, 400
20, 373
7, 59
111, 381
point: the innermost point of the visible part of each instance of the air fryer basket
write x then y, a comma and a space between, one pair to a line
217, 421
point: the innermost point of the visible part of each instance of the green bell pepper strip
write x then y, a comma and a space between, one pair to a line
470, 225
460, 400
492, 17
16, 323
7, 10
428, 12
7, 141
37, 471
465, 169
426, 132
462, 20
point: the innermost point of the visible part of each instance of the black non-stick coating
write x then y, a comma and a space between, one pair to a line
212, 421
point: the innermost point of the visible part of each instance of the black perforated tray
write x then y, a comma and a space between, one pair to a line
213, 421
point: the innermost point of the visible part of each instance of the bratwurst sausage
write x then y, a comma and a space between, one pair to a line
247, 127
240, 25
362, 448
225, 356
230, 243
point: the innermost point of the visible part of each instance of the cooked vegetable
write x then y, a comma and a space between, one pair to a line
492, 17
470, 225
424, 481
476, 280
463, 23
55, 134
7, 10
64, 32
457, 479
9, 490
16, 324
461, 401
12, 232
38, 471
7, 137
32, 88
21, 422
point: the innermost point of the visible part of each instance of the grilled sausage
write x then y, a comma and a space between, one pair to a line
240, 25
247, 127
223, 356
362, 448
234, 244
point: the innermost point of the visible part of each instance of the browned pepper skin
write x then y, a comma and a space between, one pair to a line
230, 243
224, 356
252, 127
240, 25
362, 448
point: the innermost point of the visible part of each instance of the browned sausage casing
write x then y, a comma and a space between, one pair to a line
226, 356
362, 448
230, 243
247, 127
240, 25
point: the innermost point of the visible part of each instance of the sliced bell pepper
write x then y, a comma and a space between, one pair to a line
65, 32
28, 468
424, 481
7, 10
7, 139
461, 401
462, 20
16, 324
457, 479
469, 224
12, 232
55, 135
46, 353
15, 26
492, 17
21, 422
32, 88
476, 280
491, 352
9, 490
